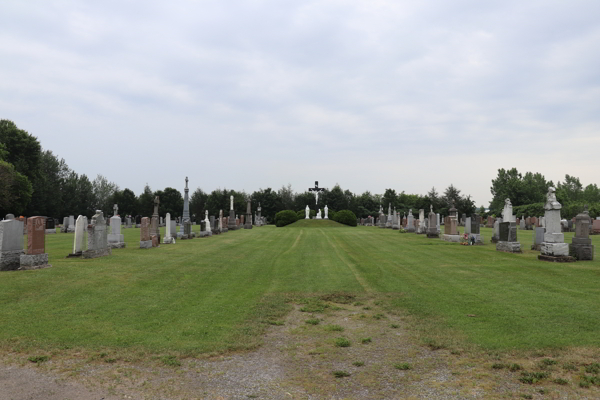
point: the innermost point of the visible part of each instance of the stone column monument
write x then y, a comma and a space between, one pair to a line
231, 225
186, 209
432, 231
115, 238
248, 222
155, 229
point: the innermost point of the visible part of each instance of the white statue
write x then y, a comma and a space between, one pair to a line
307, 212
551, 202
221, 220
326, 212
230, 203
207, 221
319, 214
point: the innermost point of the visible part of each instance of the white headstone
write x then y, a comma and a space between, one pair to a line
207, 221
79, 239
168, 225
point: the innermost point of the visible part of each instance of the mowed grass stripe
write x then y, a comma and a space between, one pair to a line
207, 294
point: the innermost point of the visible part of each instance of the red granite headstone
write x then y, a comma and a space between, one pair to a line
154, 241
36, 235
145, 229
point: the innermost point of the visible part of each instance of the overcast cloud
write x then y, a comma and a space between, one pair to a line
255, 94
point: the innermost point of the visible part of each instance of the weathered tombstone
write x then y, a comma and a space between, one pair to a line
421, 223
538, 238
11, 244
154, 239
395, 220
475, 229
507, 215
410, 221
596, 226
388, 221
468, 225
581, 245
554, 247
128, 221
222, 222
145, 240
490, 222
496, 235
438, 225
71, 227
522, 224
261, 220
36, 256
115, 237
97, 240
138, 221
232, 224
207, 226
432, 231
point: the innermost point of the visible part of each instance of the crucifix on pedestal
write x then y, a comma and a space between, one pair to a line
316, 189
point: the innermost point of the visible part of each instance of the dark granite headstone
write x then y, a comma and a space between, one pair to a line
504, 229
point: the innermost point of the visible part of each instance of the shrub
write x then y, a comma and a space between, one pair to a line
302, 214
345, 217
342, 342
286, 217
403, 366
341, 374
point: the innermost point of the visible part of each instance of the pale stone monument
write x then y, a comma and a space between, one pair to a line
232, 225
421, 224
451, 226
507, 215
538, 238
207, 231
410, 222
395, 220
97, 240
186, 208
496, 235
11, 244
388, 221
154, 227
36, 256
507, 231
307, 212
326, 212
554, 247
168, 239
261, 220
79, 237
115, 238
319, 214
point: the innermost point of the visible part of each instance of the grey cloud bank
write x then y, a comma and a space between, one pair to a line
369, 95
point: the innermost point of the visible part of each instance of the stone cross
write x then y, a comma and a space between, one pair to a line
115, 209
186, 182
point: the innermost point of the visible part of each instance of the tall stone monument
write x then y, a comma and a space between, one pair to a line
581, 246
186, 209
248, 222
388, 221
306, 213
326, 209
507, 235
115, 238
554, 247
421, 224
395, 220
261, 220
79, 240
36, 256
97, 240
155, 227
451, 226
231, 225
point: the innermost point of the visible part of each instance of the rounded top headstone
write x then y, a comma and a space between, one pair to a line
9, 216
584, 215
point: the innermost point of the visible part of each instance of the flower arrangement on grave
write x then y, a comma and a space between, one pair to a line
401, 230
464, 239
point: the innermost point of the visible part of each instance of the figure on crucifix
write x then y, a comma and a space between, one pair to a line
316, 189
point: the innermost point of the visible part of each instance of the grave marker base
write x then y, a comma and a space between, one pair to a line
563, 259
34, 261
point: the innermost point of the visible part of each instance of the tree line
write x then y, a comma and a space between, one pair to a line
34, 181
527, 193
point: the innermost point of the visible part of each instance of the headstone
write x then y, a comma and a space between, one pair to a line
36, 256
538, 238
206, 227
97, 240
432, 230
154, 239
496, 235
65, 225
522, 223
596, 226
410, 222
554, 247
395, 220
581, 245
474, 224
388, 222
421, 223
507, 215
115, 237
262, 220
11, 244
490, 222
508, 238
50, 227
438, 225
222, 222
128, 221
467, 225
170, 228
463, 219
79, 237
138, 221
145, 240
71, 227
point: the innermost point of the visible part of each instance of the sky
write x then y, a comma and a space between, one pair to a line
369, 95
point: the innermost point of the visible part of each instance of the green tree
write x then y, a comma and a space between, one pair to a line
103, 191
389, 197
569, 191
270, 203
286, 197
198, 204
520, 189
15, 190
146, 202
171, 201
127, 202
334, 199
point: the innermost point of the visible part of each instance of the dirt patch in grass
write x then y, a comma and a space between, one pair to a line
301, 360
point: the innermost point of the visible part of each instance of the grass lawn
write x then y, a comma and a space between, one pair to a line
220, 293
